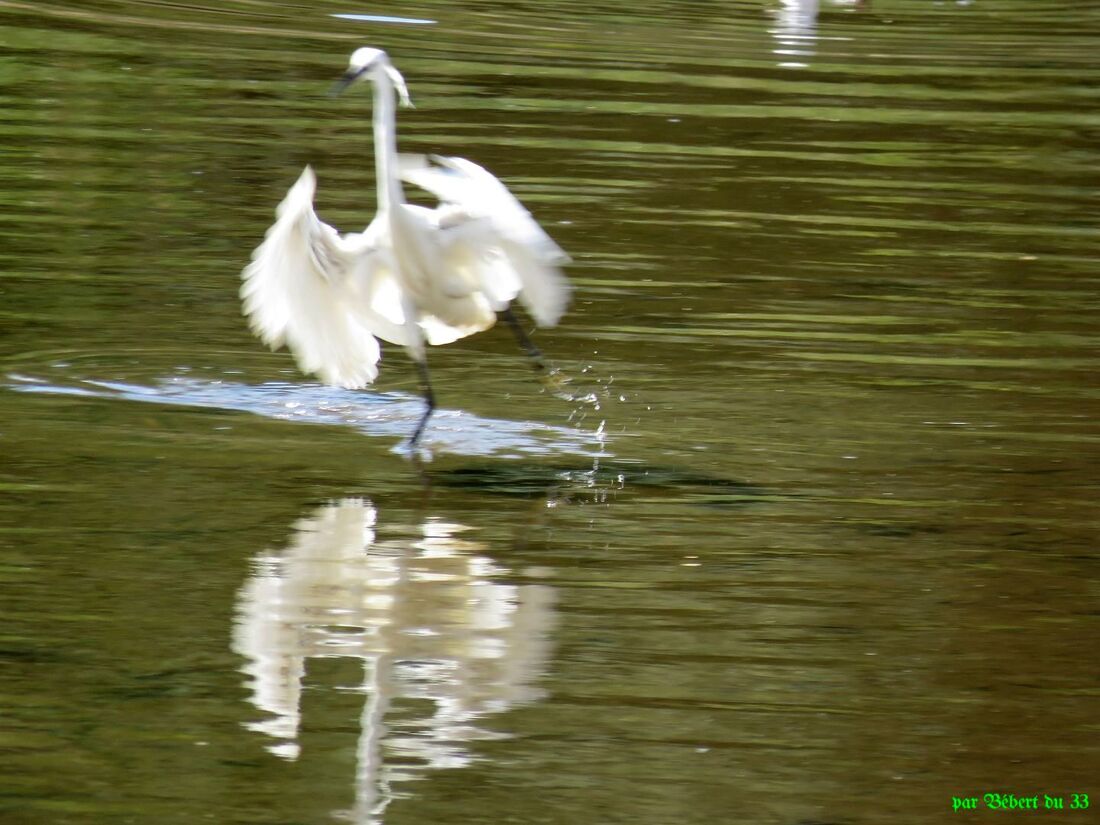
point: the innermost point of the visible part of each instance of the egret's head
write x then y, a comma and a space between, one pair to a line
363, 59
373, 64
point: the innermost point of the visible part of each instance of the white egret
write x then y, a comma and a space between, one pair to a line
414, 276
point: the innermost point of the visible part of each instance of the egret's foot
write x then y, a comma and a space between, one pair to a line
415, 452
556, 382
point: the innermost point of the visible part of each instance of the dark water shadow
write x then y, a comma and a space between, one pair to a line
604, 481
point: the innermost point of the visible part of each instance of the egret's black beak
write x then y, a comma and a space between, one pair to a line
345, 81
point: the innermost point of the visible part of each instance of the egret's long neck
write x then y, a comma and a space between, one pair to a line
385, 144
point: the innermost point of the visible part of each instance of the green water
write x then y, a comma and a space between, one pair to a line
814, 543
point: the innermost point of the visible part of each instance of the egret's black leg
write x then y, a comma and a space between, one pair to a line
429, 400
549, 377
533, 352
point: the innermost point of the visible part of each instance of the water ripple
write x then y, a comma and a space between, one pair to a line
390, 414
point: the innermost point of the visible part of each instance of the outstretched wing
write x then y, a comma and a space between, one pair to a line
324, 296
492, 228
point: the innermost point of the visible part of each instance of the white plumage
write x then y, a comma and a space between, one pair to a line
414, 276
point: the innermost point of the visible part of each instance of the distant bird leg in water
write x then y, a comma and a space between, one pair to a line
415, 276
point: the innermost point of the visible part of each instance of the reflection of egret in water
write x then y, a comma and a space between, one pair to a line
795, 30
427, 620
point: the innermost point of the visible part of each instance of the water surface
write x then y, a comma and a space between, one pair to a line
815, 541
